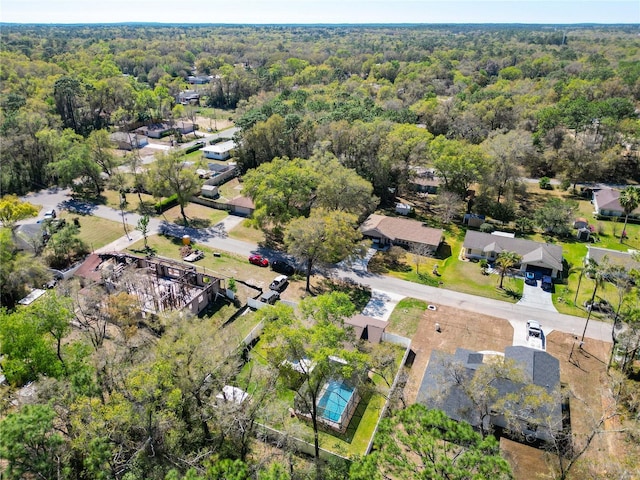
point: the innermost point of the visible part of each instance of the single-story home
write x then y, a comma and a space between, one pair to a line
545, 258
367, 328
189, 97
242, 206
401, 231
219, 151
606, 203
159, 130
423, 180
128, 141
199, 79
443, 388
624, 259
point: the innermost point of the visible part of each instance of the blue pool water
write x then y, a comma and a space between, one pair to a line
334, 400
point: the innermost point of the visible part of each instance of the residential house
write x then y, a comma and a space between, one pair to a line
159, 130
401, 231
606, 203
189, 97
624, 259
128, 141
219, 151
446, 374
544, 258
423, 180
242, 206
199, 79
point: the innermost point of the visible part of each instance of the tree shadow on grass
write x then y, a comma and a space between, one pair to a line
198, 223
511, 293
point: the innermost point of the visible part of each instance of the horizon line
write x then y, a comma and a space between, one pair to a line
316, 23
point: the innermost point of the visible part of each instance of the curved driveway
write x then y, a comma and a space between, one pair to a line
216, 238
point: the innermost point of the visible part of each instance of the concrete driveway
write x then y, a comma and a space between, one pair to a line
381, 304
537, 298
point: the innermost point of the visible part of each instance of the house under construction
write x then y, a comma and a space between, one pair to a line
158, 283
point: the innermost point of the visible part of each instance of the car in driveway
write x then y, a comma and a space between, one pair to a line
547, 283
534, 329
259, 260
530, 279
279, 283
283, 267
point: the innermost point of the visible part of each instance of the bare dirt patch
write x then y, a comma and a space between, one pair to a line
584, 372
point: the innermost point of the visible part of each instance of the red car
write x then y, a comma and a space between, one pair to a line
259, 260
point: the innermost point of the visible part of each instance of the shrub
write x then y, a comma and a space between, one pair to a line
565, 184
166, 203
545, 183
487, 228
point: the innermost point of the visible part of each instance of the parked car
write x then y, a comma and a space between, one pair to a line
259, 260
547, 283
270, 297
534, 329
279, 283
281, 266
530, 279
50, 214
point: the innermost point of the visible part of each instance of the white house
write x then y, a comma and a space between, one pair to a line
219, 151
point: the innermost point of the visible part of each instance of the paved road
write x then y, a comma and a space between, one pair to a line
216, 238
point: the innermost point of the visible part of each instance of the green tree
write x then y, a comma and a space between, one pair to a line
341, 188
13, 209
599, 273
457, 163
18, 272
507, 153
506, 261
169, 176
30, 444
629, 201
556, 216
281, 190
100, 151
323, 237
421, 443
143, 227
64, 245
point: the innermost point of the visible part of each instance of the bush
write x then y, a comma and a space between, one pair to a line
545, 183
565, 185
487, 228
166, 203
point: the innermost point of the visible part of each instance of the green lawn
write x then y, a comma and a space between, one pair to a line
405, 318
458, 275
96, 232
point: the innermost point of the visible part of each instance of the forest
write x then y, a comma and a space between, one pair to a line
482, 106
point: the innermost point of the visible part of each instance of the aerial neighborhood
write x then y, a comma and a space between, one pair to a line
319, 252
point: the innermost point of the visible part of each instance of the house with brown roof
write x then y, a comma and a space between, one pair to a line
606, 203
545, 258
367, 328
401, 231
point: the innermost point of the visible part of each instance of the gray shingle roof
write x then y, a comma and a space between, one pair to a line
529, 250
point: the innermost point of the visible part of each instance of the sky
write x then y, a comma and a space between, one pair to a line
313, 11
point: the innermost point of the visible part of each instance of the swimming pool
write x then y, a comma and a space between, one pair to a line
334, 401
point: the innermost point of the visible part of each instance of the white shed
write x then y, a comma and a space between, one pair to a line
219, 151
210, 191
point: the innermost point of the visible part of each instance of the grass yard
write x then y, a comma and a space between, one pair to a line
199, 216
245, 231
96, 232
111, 198
457, 275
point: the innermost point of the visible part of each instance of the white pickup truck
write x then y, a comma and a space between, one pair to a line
535, 337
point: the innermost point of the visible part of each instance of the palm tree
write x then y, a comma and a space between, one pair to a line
599, 274
505, 261
629, 201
